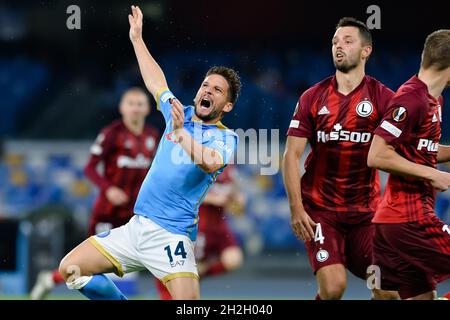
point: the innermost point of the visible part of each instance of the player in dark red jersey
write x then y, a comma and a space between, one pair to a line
126, 149
333, 203
411, 244
216, 248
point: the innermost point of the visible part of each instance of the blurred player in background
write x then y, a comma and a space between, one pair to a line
411, 244
126, 149
333, 204
216, 248
194, 150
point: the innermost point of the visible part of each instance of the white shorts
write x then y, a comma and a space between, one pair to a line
142, 244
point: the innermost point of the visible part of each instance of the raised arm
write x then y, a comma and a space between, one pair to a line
150, 70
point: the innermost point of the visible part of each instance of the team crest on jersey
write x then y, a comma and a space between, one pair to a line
170, 136
322, 255
364, 108
128, 144
399, 114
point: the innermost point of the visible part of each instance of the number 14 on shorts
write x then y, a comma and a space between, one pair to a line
179, 251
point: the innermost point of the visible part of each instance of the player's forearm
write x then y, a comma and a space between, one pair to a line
150, 70
291, 179
207, 159
384, 157
90, 171
443, 154
214, 199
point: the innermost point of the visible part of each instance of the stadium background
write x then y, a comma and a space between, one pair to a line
59, 87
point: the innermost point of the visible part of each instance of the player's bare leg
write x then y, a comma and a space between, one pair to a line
83, 269
425, 296
84, 260
332, 281
378, 294
184, 288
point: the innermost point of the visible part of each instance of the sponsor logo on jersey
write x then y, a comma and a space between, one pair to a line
396, 132
343, 135
435, 118
177, 263
294, 124
364, 108
322, 255
323, 111
429, 145
140, 162
399, 114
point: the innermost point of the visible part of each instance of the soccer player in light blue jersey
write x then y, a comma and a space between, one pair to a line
194, 149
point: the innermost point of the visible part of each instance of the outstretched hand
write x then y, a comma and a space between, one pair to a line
135, 19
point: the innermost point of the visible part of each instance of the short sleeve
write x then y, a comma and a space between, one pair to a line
404, 114
302, 123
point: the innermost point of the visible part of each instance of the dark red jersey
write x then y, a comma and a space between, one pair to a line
126, 159
412, 124
210, 215
340, 129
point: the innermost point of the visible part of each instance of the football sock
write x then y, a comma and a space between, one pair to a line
97, 287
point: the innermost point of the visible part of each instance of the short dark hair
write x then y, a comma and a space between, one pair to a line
363, 30
233, 79
436, 51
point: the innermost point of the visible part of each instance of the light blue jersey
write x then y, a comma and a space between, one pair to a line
175, 186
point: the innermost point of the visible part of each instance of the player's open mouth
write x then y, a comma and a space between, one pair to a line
339, 55
205, 104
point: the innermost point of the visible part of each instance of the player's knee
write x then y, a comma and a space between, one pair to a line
69, 269
333, 290
64, 268
232, 258
378, 294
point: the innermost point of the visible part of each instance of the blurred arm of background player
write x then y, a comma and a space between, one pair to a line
150, 70
226, 195
99, 151
443, 154
384, 157
302, 224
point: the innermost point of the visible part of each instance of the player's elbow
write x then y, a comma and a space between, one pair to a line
372, 161
210, 168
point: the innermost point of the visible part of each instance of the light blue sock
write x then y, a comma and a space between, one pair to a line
100, 287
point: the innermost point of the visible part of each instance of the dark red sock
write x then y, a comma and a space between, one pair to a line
318, 297
215, 269
162, 290
57, 278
